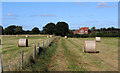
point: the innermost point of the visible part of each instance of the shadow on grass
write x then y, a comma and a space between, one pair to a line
93, 52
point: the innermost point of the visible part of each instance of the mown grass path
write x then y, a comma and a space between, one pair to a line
59, 62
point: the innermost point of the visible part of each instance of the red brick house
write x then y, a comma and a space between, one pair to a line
83, 30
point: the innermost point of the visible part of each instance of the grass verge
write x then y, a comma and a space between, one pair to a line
42, 62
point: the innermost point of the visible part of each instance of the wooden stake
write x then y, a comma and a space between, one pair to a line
22, 59
37, 48
38, 45
43, 43
34, 52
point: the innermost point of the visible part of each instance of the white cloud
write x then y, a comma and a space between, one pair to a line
44, 15
6, 18
104, 5
82, 3
11, 14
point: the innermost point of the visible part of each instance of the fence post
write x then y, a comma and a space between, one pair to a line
38, 45
38, 48
22, 59
43, 43
1, 63
47, 43
34, 55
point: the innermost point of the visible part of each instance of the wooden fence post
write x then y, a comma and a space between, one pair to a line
34, 52
47, 43
38, 45
22, 59
43, 43
38, 48
1, 63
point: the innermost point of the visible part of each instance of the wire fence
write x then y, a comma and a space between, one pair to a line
25, 59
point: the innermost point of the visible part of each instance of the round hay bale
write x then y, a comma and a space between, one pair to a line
65, 36
97, 39
23, 43
26, 36
51, 36
89, 46
47, 36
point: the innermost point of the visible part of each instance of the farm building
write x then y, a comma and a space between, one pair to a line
83, 30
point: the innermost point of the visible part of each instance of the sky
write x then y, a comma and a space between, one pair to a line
76, 14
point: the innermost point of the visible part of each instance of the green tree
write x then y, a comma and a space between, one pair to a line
10, 30
102, 29
111, 28
1, 30
27, 32
70, 33
92, 34
19, 30
92, 29
61, 28
35, 30
49, 28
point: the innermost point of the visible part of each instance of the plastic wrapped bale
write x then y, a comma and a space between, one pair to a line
23, 43
65, 36
89, 46
97, 39
51, 36
26, 36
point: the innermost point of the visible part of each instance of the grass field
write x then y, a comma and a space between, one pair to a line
11, 53
66, 54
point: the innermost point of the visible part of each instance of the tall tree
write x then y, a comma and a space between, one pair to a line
1, 30
61, 28
19, 30
35, 30
49, 28
102, 29
10, 29
111, 28
92, 29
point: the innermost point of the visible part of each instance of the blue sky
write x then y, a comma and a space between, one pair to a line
76, 14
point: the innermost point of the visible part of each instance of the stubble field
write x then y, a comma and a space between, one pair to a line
64, 54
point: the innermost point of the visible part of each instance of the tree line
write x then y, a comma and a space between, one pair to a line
102, 32
60, 29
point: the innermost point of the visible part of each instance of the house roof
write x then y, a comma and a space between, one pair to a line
84, 28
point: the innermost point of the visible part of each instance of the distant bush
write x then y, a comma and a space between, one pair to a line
77, 35
99, 35
84, 35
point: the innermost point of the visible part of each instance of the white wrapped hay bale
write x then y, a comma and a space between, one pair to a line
89, 46
26, 36
23, 43
51, 36
97, 39
65, 36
